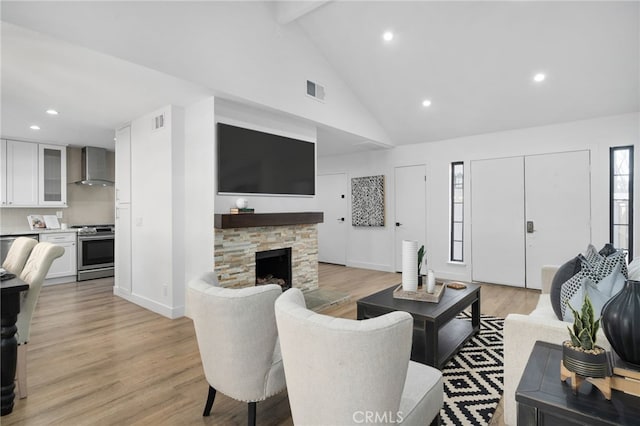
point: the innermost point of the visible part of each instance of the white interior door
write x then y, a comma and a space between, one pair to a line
410, 208
497, 221
332, 233
558, 207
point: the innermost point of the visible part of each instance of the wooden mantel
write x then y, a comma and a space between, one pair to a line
249, 220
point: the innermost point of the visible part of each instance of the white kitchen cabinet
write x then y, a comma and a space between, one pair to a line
32, 175
122, 255
123, 165
52, 172
67, 264
20, 175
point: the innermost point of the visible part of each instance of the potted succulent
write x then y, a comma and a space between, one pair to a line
581, 355
420, 258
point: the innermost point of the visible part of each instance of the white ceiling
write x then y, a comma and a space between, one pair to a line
474, 60
93, 93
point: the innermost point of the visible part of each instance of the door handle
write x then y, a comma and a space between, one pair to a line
530, 229
398, 224
341, 219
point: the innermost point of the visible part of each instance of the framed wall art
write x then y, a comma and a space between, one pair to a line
367, 201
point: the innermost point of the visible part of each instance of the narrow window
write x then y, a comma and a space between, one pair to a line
621, 198
457, 212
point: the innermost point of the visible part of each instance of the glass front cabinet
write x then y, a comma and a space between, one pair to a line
52, 173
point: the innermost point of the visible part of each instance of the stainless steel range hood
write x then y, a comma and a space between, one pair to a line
94, 167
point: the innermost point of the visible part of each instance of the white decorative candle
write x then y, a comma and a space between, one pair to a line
431, 281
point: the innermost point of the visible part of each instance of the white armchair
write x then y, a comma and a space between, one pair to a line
342, 371
238, 340
18, 254
520, 334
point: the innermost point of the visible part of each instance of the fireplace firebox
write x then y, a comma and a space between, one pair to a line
274, 267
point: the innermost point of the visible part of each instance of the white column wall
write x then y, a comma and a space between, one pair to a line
200, 172
373, 248
172, 204
152, 193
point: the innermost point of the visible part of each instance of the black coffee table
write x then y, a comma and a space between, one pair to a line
544, 400
437, 334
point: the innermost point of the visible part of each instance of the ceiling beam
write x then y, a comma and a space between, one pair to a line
289, 11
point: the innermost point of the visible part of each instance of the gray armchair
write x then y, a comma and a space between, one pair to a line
342, 371
238, 340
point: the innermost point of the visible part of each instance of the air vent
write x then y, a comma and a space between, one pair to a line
315, 90
157, 122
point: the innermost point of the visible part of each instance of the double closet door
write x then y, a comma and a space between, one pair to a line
527, 212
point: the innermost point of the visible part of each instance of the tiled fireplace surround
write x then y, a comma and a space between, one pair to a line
235, 253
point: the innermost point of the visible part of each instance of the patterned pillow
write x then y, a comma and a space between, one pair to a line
598, 300
607, 250
564, 273
595, 267
574, 284
598, 294
608, 264
592, 255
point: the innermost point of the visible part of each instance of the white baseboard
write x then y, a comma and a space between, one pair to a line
60, 280
373, 266
152, 305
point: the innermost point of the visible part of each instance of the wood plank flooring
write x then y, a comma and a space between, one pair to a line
96, 359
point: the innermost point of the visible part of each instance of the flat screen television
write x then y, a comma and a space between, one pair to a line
253, 162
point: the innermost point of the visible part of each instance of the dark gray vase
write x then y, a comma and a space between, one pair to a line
621, 323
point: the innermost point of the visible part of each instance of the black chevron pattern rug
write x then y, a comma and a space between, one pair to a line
473, 379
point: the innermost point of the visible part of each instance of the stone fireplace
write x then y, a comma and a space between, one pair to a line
242, 250
274, 267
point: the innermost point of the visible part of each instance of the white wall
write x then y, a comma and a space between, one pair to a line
269, 122
375, 247
172, 204
157, 200
199, 188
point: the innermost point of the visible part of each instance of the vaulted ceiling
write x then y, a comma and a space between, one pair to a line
103, 63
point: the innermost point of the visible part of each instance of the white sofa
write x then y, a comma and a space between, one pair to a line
520, 334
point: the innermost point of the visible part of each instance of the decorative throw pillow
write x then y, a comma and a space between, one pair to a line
607, 250
634, 269
598, 299
612, 283
570, 287
599, 294
592, 255
593, 265
608, 263
564, 273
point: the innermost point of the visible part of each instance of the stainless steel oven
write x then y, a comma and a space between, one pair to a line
95, 252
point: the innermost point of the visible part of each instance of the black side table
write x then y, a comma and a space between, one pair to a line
544, 400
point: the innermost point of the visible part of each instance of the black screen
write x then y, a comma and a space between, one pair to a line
252, 162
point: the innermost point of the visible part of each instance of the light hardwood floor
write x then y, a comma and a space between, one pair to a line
96, 359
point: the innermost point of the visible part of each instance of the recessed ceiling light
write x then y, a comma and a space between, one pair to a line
387, 36
426, 103
539, 77
34, 127
52, 112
